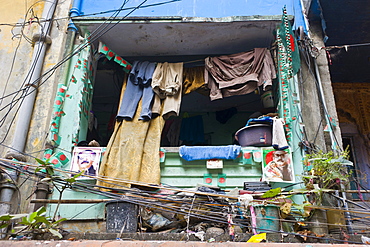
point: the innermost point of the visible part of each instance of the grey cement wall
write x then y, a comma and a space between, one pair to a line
323, 66
312, 108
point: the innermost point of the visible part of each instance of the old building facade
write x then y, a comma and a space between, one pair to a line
65, 67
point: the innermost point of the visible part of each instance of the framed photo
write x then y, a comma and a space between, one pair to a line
277, 165
86, 159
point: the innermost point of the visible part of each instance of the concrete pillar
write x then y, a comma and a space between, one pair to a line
323, 68
311, 109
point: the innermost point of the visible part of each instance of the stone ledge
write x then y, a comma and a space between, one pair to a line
241, 237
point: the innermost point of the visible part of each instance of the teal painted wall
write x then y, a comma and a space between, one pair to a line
77, 211
73, 128
178, 172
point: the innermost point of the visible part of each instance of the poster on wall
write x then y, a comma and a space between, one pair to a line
86, 159
277, 165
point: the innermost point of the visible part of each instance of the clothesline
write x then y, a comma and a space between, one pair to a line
344, 46
194, 61
225, 76
200, 60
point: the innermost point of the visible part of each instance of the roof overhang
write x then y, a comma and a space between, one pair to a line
181, 36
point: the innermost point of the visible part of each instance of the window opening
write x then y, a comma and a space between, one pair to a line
105, 102
354, 179
220, 118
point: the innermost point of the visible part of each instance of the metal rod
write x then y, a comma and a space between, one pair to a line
70, 201
346, 214
352, 202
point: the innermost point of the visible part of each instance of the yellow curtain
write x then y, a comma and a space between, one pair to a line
133, 151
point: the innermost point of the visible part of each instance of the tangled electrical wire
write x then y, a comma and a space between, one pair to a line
19, 95
190, 206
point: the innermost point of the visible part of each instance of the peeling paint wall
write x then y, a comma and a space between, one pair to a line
18, 21
16, 52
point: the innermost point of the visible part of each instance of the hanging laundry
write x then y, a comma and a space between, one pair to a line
167, 85
167, 125
190, 153
171, 133
279, 141
193, 79
239, 73
192, 130
132, 151
138, 86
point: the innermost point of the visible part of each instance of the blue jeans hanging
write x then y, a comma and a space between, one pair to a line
138, 87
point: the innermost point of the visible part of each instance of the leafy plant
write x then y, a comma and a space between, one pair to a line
33, 224
46, 166
328, 170
68, 184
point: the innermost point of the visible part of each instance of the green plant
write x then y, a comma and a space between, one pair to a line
33, 224
36, 224
45, 166
48, 168
68, 184
327, 170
